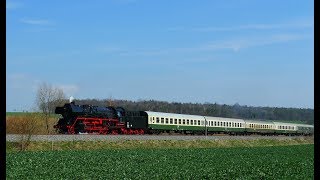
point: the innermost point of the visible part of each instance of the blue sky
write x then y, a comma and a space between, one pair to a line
251, 52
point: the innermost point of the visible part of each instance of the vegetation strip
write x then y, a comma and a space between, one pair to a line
151, 144
284, 162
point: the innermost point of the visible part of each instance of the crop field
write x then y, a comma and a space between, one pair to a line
278, 162
16, 120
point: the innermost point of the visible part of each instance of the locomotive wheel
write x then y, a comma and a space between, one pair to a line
114, 132
71, 131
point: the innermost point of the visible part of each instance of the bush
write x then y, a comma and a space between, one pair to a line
27, 125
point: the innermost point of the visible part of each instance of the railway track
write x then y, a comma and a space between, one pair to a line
91, 137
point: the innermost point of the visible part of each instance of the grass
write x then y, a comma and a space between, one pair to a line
154, 144
276, 162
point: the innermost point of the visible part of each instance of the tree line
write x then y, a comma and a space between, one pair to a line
298, 115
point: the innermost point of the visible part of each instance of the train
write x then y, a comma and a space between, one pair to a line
78, 119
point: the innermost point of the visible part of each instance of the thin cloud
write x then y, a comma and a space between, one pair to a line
36, 21
13, 5
18, 81
109, 49
292, 25
241, 43
69, 89
229, 44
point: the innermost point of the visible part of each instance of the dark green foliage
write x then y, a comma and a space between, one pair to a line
294, 115
283, 162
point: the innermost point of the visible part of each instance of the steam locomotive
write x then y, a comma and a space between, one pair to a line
89, 119
77, 119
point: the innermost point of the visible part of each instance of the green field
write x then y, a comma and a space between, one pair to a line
277, 162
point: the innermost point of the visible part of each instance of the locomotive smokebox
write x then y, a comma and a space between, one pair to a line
59, 110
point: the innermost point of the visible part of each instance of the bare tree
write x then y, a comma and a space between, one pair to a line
26, 128
48, 98
110, 101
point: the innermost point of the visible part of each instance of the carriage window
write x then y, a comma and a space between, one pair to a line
157, 119
167, 120
187, 121
215, 123
152, 118
199, 122
183, 121
224, 123
162, 120
175, 121
191, 122
179, 121
171, 121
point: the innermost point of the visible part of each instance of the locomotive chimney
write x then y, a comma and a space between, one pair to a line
71, 99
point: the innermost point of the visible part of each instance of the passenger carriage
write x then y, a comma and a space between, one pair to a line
225, 125
259, 127
175, 122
